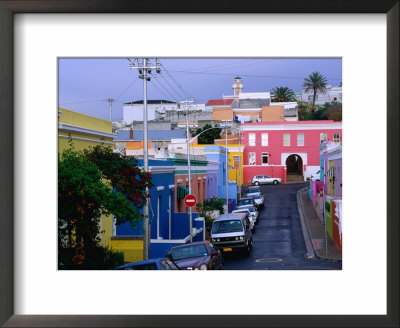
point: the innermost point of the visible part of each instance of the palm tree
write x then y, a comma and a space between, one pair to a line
282, 94
316, 82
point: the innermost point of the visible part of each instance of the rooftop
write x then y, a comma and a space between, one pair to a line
154, 101
153, 135
219, 102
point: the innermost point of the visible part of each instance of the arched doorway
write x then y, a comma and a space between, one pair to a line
294, 165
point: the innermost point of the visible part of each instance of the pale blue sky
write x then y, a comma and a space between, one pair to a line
84, 83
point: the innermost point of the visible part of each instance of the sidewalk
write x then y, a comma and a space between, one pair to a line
314, 232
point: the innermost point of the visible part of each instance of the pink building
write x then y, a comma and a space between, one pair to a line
287, 150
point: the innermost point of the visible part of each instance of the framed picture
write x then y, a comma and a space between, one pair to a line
189, 311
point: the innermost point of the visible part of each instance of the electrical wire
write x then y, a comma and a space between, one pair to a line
248, 75
173, 79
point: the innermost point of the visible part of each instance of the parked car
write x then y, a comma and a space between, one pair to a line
258, 199
201, 255
154, 264
232, 232
265, 179
254, 190
252, 209
246, 201
250, 215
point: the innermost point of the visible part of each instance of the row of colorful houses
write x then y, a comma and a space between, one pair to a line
281, 149
326, 194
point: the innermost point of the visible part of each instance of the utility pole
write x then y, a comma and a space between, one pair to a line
186, 111
226, 168
144, 67
110, 101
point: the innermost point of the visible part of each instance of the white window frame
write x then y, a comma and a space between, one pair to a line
262, 158
323, 134
254, 158
264, 139
252, 139
334, 137
300, 142
286, 134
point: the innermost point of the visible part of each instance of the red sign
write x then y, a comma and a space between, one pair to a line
190, 200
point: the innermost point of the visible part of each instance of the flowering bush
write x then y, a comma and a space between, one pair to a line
91, 183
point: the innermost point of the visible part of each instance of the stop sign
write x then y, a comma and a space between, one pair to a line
190, 200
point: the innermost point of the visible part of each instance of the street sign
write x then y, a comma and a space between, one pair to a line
190, 200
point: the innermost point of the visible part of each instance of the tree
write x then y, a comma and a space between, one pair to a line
282, 94
315, 82
209, 136
91, 183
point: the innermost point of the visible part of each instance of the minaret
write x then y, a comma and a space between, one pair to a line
237, 86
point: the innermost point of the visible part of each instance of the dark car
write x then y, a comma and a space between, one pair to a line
246, 201
201, 255
154, 264
254, 190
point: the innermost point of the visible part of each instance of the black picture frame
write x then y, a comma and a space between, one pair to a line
7, 198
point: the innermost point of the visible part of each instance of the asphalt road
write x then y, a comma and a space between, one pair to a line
278, 242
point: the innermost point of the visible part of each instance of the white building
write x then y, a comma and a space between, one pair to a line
133, 111
332, 94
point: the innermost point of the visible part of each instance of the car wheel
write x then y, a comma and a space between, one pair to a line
256, 183
275, 182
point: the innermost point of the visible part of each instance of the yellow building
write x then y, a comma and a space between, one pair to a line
235, 162
86, 131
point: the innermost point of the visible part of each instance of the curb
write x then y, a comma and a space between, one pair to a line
307, 236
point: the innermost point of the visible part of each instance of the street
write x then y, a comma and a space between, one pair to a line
278, 242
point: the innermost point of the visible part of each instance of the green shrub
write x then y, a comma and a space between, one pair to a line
328, 206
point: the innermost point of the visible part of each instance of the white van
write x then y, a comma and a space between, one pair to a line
232, 232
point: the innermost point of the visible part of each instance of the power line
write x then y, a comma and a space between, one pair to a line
249, 75
172, 97
179, 95
179, 86
81, 102
126, 88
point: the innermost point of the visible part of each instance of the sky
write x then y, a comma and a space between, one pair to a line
85, 83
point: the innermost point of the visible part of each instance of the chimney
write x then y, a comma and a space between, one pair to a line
130, 134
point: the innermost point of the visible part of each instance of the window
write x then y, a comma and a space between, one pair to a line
336, 137
252, 158
264, 159
252, 139
286, 139
300, 139
264, 139
323, 137
236, 161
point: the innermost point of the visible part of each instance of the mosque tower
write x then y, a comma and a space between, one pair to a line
237, 86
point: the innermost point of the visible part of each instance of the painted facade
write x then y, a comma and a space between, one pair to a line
167, 228
198, 179
280, 149
86, 131
218, 154
83, 130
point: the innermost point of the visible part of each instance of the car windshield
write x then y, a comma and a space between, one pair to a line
250, 208
245, 201
253, 189
186, 252
227, 226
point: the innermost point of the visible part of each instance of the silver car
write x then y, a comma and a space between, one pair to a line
250, 215
258, 199
265, 179
252, 210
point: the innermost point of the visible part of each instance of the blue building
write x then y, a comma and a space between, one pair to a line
218, 154
167, 228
